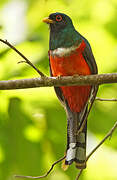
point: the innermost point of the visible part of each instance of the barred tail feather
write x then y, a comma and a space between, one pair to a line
76, 144
80, 158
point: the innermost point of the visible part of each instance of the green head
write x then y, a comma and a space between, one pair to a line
62, 31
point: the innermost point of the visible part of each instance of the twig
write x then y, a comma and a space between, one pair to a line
97, 98
55, 81
102, 99
24, 57
109, 134
79, 174
43, 176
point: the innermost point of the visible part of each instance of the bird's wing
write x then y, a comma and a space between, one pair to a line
88, 56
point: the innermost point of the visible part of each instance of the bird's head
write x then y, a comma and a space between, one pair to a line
62, 31
58, 21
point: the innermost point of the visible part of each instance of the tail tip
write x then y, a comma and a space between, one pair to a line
80, 165
64, 166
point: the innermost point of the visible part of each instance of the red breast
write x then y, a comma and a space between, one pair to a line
69, 65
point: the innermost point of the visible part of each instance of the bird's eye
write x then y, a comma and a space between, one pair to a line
59, 18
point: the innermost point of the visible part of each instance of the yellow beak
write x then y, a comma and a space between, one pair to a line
48, 21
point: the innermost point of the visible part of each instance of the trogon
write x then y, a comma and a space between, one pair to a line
70, 54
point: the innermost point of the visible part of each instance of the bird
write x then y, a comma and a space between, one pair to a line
70, 54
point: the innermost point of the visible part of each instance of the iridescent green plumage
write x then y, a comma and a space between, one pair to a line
63, 34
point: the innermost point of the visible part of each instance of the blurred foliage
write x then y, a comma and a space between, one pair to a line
32, 121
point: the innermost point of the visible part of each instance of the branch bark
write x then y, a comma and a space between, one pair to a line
59, 81
103, 99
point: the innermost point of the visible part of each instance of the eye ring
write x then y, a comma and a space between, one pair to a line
59, 18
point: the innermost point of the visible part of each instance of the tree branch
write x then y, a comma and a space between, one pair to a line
43, 176
59, 81
26, 60
49, 81
109, 134
103, 99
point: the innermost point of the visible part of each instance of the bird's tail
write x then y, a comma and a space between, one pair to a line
80, 158
76, 144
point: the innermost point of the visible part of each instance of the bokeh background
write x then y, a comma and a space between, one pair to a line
32, 121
